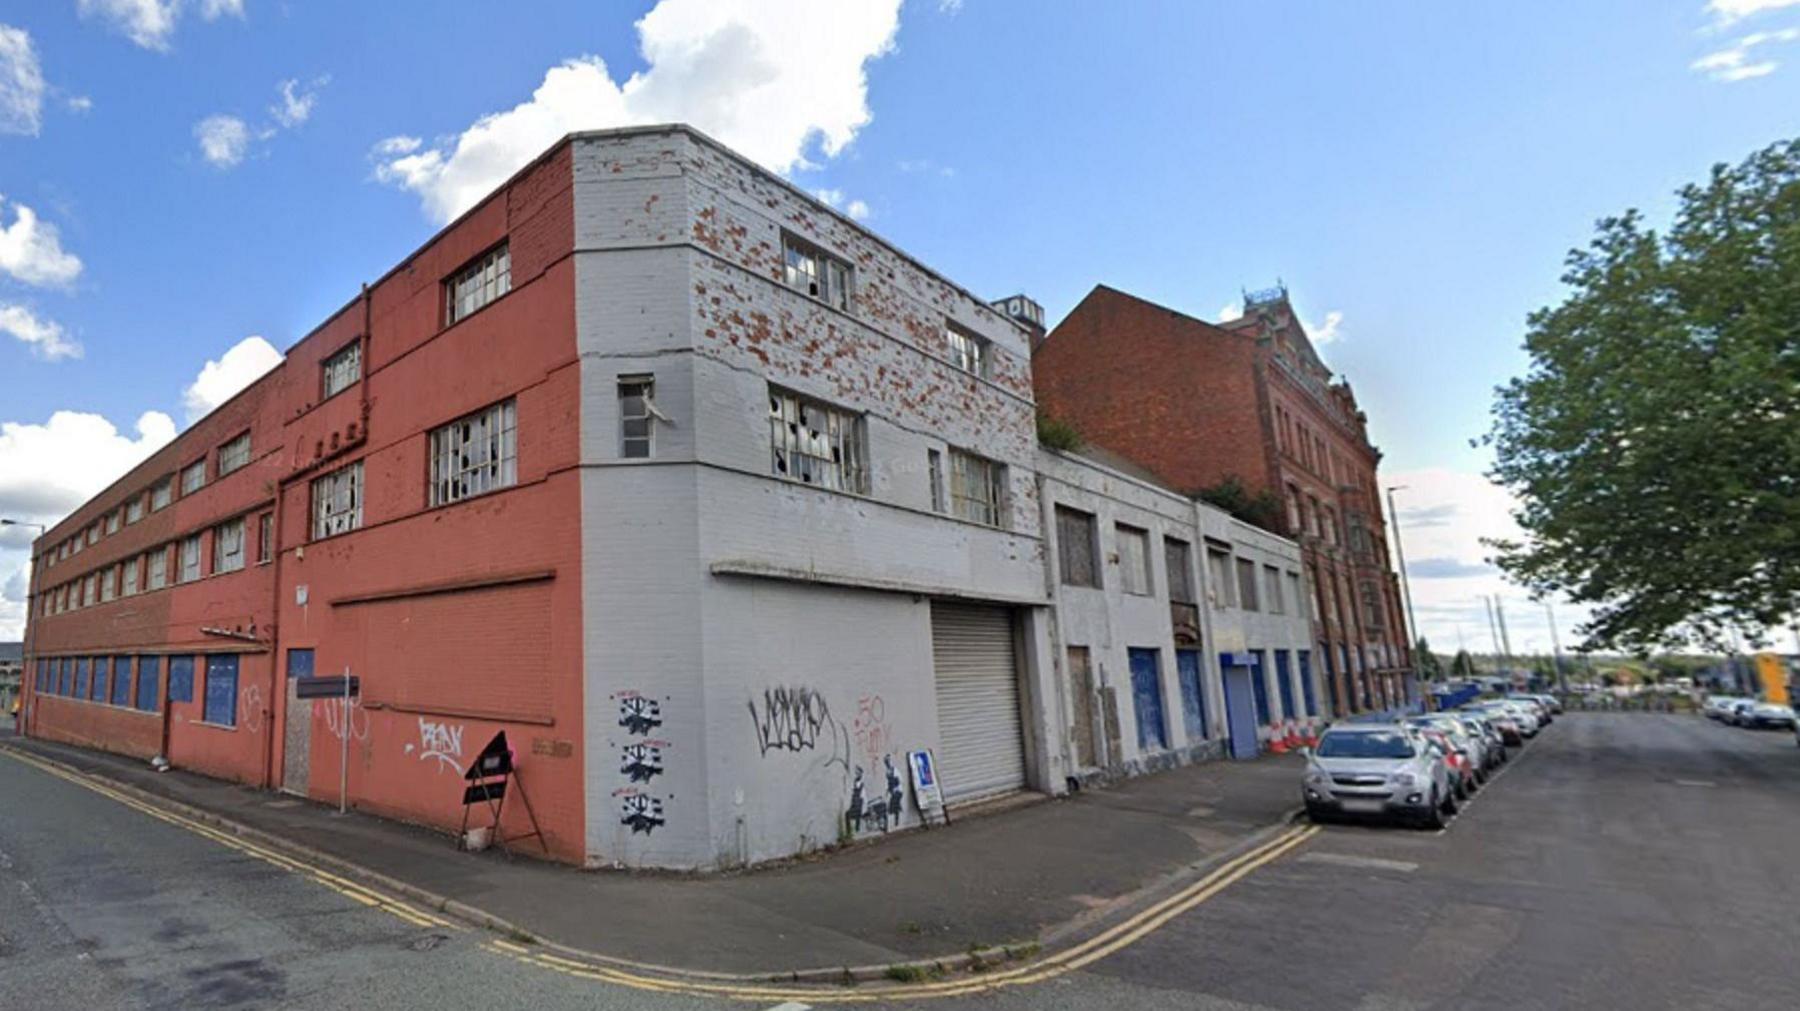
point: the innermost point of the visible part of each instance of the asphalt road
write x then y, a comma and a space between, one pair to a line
1623, 861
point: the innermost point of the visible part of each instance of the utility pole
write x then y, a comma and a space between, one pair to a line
1505, 642
1493, 629
1562, 680
1412, 622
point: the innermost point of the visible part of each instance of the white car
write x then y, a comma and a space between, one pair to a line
1761, 715
1718, 706
1378, 769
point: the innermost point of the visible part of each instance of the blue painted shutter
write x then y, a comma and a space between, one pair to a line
1146, 692
1193, 698
148, 669
300, 663
221, 690
121, 687
62, 678
1306, 685
1259, 686
1285, 682
101, 667
81, 677
181, 679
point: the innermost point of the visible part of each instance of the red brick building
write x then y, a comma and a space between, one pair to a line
1250, 401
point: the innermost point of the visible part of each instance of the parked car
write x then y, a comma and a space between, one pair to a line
1458, 754
1765, 715
1463, 741
1538, 707
1503, 722
1717, 705
1736, 712
1378, 769
1493, 745
1551, 703
1523, 715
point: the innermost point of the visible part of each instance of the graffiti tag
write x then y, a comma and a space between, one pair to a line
874, 738
441, 741
640, 763
334, 718
639, 715
251, 706
792, 719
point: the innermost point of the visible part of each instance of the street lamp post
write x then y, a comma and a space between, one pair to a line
1412, 644
26, 656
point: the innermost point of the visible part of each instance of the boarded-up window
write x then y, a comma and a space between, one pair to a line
440, 652
1272, 590
1075, 547
1175, 560
1246, 584
1218, 574
1134, 559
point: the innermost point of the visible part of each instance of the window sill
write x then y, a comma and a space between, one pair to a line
214, 726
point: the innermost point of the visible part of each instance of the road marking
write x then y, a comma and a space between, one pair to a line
1368, 863
1695, 782
359, 893
792, 1005
1115, 938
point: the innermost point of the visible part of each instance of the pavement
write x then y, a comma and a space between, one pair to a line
1028, 876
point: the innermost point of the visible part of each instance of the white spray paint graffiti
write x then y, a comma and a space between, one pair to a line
334, 717
250, 709
442, 741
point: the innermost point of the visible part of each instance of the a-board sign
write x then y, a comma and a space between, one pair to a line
331, 687
494, 760
483, 792
926, 791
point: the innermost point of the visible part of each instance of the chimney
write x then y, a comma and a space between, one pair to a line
1023, 310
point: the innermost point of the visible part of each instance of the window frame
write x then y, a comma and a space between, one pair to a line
845, 433
1221, 576
969, 351
156, 576
166, 490
1178, 556
149, 669
225, 459
830, 281
198, 467
986, 475
134, 509
225, 559
216, 664
493, 288
181, 559
500, 468
265, 538
1273, 595
324, 525
645, 385
1250, 601
1066, 516
335, 363
131, 580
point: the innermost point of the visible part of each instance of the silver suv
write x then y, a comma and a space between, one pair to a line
1378, 769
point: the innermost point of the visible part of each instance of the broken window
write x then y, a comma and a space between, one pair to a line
157, 570
228, 546
1134, 559
477, 284
1175, 560
342, 369
234, 454
193, 477
1246, 584
967, 351
636, 416
190, 559
160, 493
1075, 547
815, 444
107, 584
129, 586
1218, 571
811, 270
265, 537
1272, 589
337, 501
475, 454
934, 466
977, 488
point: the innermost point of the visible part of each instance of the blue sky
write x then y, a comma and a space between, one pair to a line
1414, 171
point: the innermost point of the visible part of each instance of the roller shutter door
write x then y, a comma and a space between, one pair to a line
982, 751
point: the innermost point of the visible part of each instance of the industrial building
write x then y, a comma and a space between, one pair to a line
713, 501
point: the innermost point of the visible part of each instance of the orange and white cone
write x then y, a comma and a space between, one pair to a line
1277, 743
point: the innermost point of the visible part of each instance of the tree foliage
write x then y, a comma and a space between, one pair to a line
1055, 433
1462, 666
1261, 509
1431, 666
1654, 441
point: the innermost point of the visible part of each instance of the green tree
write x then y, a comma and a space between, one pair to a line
1462, 666
1654, 442
1261, 508
1431, 666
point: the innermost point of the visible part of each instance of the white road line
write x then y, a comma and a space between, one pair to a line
1370, 863
792, 1006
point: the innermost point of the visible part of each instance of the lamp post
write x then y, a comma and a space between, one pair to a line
1412, 645
25, 655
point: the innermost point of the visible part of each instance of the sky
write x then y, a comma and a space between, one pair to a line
188, 186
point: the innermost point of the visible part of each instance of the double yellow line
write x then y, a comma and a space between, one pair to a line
343, 886
1120, 935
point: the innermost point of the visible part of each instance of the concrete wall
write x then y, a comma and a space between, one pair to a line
716, 590
1262, 631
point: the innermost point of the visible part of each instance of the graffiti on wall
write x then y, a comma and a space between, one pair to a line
796, 719
442, 742
358, 726
874, 738
639, 811
882, 811
642, 762
638, 714
250, 708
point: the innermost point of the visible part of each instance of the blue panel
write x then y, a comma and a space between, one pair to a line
81, 677
149, 667
300, 663
101, 667
220, 705
1146, 697
1240, 717
121, 686
63, 684
1285, 682
1306, 684
1259, 685
181, 679
1193, 699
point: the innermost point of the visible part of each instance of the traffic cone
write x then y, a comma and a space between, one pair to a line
1293, 736
1277, 743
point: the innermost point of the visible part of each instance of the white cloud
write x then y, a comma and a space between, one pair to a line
297, 102
223, 140
80, 103
31, 250
770, 79
914, 165
1230, 311
832, 198
397, 145
950, 6
220, 379
1728, 11
46, 338
857, 210
151, 23
1326, 331
1733, 63
21, 83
